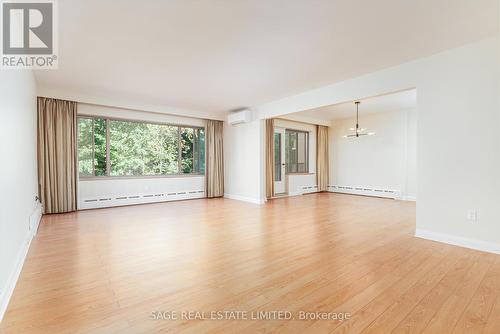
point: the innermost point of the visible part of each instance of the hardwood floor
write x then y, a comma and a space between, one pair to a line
113, 270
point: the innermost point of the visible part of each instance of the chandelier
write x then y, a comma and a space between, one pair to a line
357, 130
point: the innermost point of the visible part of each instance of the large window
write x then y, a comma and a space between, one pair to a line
109, 147
297, 151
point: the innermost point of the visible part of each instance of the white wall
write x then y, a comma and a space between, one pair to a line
243, 169
458, 111
18, 174
383, 161
411, 154
104, 192
297, 181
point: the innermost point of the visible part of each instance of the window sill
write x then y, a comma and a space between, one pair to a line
291, 174
174, 176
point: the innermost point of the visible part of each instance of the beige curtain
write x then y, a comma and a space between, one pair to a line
269, 158
322, 169
57, 160
214, 159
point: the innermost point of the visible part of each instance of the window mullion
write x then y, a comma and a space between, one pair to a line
198, 150
180, 150
93, 149
296, 152
307, 152
192, 152
108, 163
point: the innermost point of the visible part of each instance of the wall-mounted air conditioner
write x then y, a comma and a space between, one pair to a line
240, 116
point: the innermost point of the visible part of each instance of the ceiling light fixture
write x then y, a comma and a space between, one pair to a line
357, 130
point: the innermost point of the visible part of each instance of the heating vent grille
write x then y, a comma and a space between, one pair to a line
109, 201
366, 191
309, 189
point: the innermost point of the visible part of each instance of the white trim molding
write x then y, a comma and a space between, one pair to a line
8, 290
245, 199
480, 245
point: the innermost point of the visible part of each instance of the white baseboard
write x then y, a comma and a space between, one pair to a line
245, 199
484, 246
35, 219
408, 198
8, 290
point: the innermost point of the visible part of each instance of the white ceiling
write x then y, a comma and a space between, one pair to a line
384, 103
217, 55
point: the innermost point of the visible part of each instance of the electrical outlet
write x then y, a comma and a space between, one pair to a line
472, 215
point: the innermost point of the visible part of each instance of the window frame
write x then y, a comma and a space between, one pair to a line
307, 143
108, 162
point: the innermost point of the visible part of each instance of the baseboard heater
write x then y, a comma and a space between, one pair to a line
365, 191
309, 189
110, 201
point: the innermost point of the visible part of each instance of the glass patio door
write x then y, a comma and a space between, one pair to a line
279, 161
